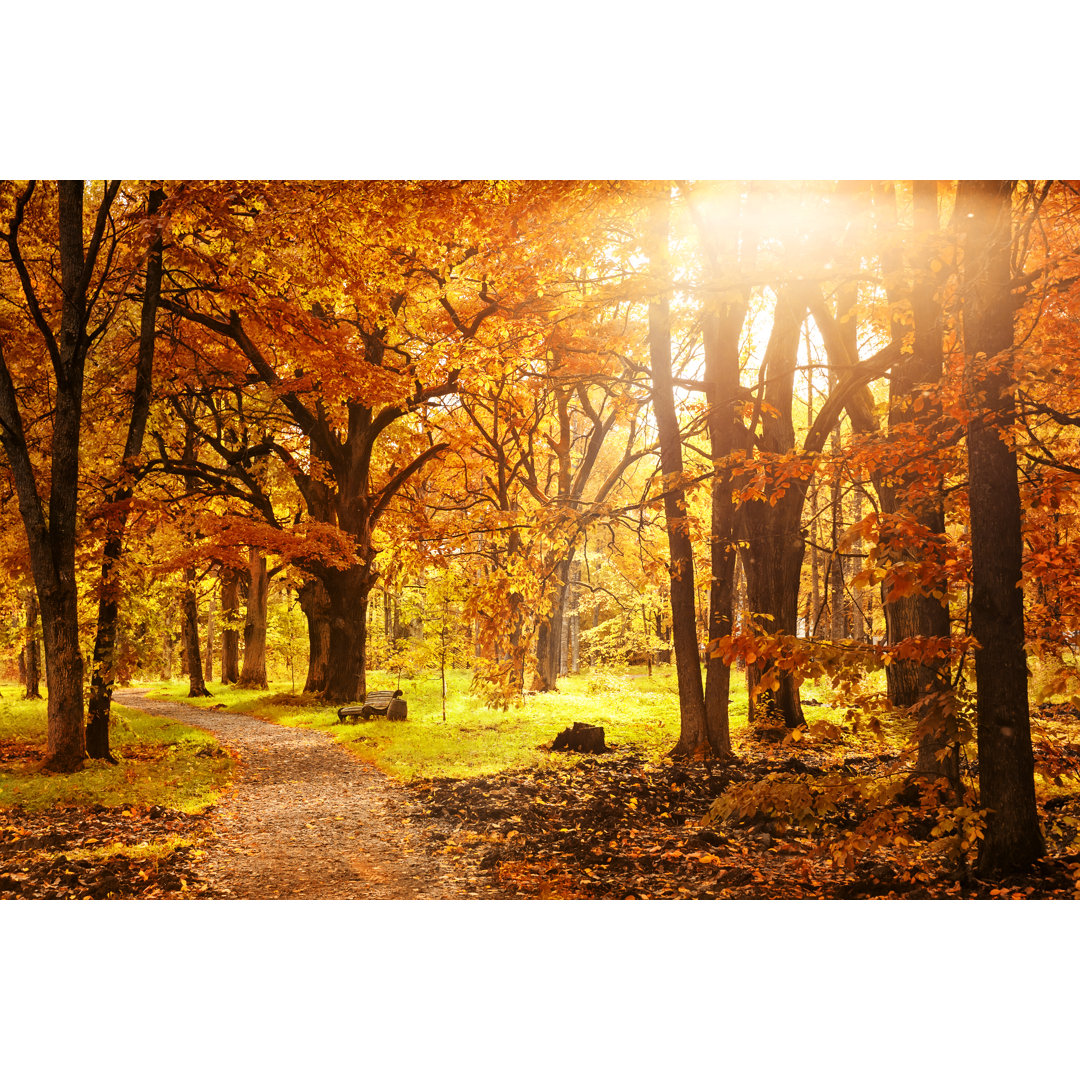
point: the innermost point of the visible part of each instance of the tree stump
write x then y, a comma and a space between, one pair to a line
585, 738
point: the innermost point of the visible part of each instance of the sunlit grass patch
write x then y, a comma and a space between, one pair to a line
151, 850
160, 763
638, 711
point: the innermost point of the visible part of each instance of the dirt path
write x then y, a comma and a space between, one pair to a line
306, 820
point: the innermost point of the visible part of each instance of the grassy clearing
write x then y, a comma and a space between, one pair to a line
161, 763
638, 712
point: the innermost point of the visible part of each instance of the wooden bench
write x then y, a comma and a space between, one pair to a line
388, 703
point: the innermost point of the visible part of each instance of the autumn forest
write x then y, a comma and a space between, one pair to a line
775, 483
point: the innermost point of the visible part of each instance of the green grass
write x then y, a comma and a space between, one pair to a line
161, 763
637, 711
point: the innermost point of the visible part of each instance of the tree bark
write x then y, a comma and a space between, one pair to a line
1006, 765
51, 536
180, 637
722, 331
210, 638
315, 604
549, 637
347, 591
773, 555
837, 622
254, 670
103, 672
858, 625
230, 635
693, 737
575, 620
190, 613
939, 751
32, 650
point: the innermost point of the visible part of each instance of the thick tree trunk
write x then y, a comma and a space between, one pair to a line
939, 750
315, 605
773, 531
1006, 766
64, 678
693, 739
347, 591
773, 563
32, 650
230, 635
254, 670
51, 535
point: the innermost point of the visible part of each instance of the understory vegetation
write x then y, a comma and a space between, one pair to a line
126, 830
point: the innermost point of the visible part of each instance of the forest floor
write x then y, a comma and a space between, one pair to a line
306, 819
616, 826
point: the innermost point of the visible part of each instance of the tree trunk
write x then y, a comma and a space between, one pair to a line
773, 563
51, 535
693, 738
575, 620
858, 624
564, 625
168, 644
230, 635
1006, 766
196, 682
815, 564
103, 672
922, 686
210, 638
722, 331
185, 668
836, 564
315, 605
32, 650
254, 671
549, 638
347, 592
773, 531
64, 679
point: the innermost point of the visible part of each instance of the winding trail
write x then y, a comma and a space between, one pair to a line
305, 820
